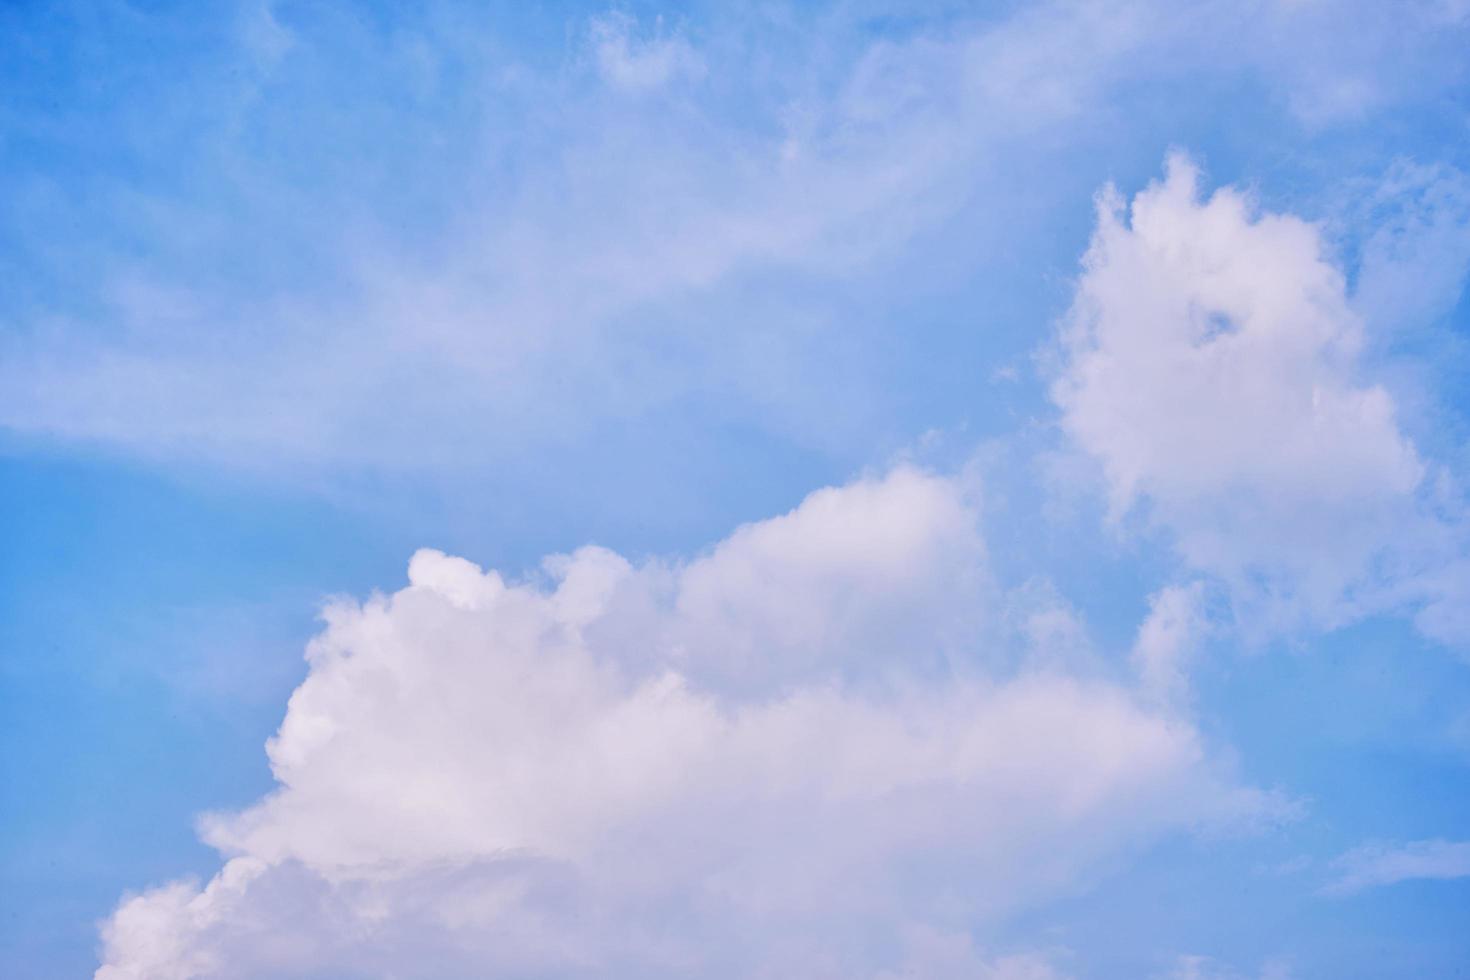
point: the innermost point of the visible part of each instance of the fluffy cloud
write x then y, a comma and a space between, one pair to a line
1374, 865
792, 754
1212, 367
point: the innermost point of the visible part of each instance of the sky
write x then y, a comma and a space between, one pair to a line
851, 490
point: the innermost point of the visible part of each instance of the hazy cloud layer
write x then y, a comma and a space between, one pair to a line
455, 296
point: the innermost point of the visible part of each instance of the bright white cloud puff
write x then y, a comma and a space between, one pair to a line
630, 769
836, 743
1212, 368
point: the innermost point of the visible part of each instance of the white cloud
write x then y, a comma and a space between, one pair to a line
1375, 865
1212, 368
791, 754
1167, 640
635, 64
539, 253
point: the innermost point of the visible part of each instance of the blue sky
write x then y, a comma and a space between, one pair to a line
849, 489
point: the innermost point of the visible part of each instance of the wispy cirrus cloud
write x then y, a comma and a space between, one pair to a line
457, 291
1380, 864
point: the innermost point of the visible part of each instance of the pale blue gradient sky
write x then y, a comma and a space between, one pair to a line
292, 290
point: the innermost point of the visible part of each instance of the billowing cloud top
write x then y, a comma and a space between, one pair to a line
808, 733
1212, 368
571, 276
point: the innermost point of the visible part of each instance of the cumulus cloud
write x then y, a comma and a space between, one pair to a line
792, 754
1378, 864
1212, 367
